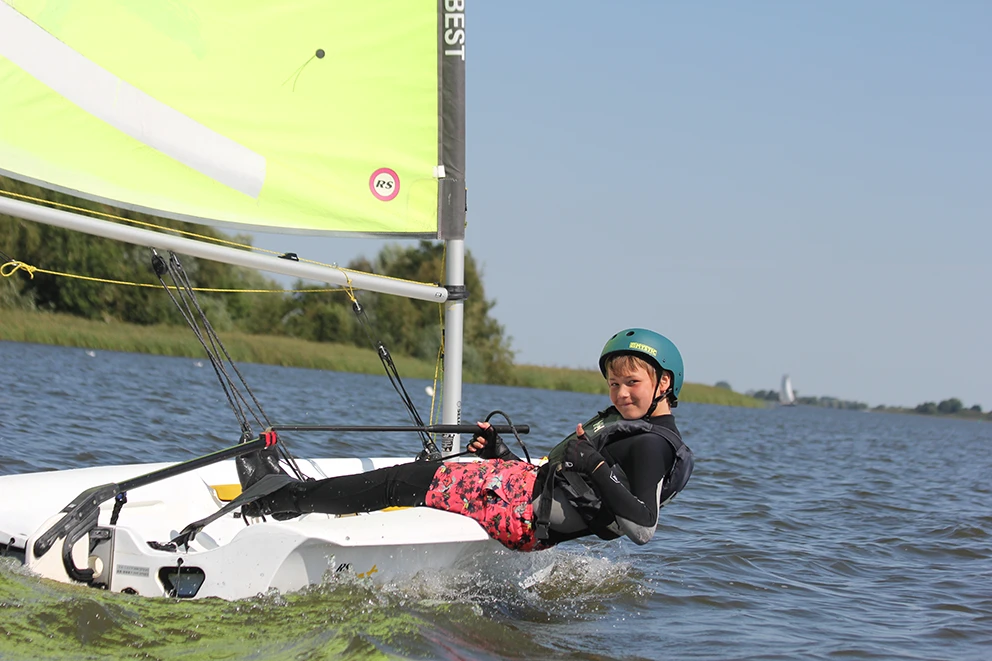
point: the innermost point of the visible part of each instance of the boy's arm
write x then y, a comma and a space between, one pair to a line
636, 508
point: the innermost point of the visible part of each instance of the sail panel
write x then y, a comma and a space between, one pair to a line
293, 116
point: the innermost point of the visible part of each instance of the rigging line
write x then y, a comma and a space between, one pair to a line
12, 266
393, 374
283, 450
436, 400
394, 377
178, 270
243, 407
384, 356
161, 268
237, 400
204, 237
133, 221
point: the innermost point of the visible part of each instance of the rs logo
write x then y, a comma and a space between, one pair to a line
384, 184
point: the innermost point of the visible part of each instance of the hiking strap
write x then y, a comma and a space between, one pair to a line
264, 487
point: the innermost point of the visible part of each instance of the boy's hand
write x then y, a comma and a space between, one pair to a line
581, 455
484, 437
488, 445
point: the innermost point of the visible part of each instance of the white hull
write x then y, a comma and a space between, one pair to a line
230, 558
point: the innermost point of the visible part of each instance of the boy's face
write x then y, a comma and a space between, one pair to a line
633, 391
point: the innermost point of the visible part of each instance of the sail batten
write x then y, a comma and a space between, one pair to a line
307, 117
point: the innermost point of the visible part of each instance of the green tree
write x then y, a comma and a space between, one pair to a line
767, 395
413, 327
67, 251
949, 406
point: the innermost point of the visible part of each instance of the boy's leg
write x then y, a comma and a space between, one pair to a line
402, 485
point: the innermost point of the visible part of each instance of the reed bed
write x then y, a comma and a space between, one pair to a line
66, 330
576, 380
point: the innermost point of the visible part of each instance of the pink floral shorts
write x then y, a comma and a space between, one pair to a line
495, 493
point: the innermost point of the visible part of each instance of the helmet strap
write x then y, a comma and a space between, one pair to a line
657, 400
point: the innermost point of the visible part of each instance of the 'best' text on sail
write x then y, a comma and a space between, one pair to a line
454, 27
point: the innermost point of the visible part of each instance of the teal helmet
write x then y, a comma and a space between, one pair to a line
652, 347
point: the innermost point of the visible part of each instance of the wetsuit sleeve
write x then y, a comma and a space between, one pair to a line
635, 509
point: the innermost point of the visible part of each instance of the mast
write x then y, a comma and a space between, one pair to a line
451, 204
454, 325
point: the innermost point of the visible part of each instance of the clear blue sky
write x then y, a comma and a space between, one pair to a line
779, 187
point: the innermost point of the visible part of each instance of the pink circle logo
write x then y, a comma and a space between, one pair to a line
384, 184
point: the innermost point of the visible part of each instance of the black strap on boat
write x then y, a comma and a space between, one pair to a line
119, 501
265, 486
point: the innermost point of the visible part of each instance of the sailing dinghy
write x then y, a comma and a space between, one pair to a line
304, 117
786, 395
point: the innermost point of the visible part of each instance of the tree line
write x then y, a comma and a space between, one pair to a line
952, 406
406, 327
946, 407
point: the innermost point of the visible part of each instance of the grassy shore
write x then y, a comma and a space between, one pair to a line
65, 330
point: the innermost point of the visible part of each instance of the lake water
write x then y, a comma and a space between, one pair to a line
804, 533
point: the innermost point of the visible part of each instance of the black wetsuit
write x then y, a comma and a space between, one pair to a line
644, 458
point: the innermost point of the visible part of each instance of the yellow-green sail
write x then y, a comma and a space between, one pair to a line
300, 116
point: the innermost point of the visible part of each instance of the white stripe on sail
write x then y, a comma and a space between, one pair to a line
126, 108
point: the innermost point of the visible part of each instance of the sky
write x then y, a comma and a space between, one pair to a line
778, 187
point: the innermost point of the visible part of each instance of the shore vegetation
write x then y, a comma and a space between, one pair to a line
167, 340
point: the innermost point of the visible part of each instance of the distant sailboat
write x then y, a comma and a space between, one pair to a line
787, 396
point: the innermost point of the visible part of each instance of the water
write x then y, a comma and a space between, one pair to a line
804, 533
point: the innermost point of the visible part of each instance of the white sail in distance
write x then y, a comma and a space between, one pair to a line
786, 395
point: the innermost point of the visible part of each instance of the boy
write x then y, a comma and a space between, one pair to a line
610, 484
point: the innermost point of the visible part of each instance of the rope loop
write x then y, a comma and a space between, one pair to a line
13, 266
